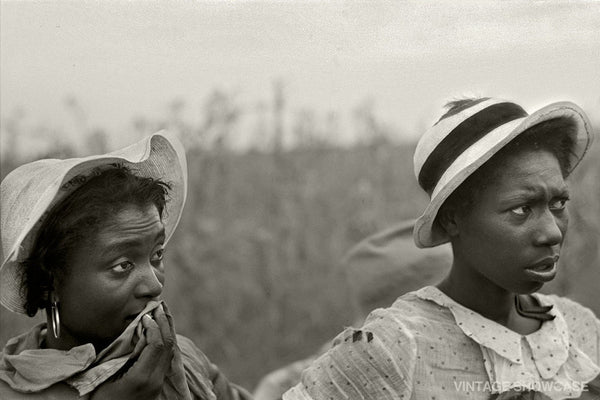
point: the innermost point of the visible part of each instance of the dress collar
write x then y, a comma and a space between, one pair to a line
549, 344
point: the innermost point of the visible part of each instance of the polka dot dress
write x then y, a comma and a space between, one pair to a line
426, 346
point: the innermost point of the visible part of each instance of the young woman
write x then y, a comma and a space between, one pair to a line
83, 239
496, 179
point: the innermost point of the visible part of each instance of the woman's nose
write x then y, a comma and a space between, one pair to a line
150, 282
550, 229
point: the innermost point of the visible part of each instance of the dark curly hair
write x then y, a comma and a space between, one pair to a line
77, 218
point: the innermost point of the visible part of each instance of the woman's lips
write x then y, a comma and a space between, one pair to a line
149, 308
131, 317
544, 270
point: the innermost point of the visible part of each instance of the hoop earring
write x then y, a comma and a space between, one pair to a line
55, 319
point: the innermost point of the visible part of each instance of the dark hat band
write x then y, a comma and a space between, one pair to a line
462, 137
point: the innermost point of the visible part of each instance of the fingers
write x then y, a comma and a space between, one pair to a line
160, 342
152, 353
150, 362
139, 346
174, 374
170, 319
157, 345
165, 326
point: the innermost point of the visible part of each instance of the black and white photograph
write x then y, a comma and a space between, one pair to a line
300, 200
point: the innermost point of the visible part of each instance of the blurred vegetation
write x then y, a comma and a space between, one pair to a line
254, 274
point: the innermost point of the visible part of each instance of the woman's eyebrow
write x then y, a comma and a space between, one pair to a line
127, 243
161, 235
531, 193
564, 192
519, 197
524, 192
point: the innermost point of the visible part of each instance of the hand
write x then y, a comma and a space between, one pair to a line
148, 364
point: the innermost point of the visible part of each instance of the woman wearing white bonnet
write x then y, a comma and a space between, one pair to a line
83, 240
497, 181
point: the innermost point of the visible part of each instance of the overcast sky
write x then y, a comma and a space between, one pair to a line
121, 60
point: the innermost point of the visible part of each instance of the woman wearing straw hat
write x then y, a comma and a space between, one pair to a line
83, 239
496, 179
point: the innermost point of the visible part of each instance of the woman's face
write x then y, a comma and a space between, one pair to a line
514, 231
112, 276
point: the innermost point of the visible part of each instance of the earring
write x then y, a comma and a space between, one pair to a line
55, 318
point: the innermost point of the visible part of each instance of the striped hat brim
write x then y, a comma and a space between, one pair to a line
458, 145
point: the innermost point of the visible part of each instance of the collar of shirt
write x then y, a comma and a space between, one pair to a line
28, 368
549, 344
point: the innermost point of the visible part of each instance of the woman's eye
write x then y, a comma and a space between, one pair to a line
559, 204
521, 210
123, 267
158, 256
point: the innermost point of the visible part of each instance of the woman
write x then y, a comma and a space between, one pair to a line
83, 239
496, 180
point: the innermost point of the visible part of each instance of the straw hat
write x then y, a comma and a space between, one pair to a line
31, 190
467, 137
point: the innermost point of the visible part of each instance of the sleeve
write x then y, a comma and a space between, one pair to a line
273, 385
598, 339
376, 361
584, 326
225, 390
594, 385
204, 377
597, 325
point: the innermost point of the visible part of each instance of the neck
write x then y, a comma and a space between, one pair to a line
66, 340
477, 293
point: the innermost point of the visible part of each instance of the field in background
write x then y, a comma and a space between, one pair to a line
254, 274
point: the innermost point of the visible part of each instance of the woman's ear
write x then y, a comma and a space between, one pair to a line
53, 284
447, 218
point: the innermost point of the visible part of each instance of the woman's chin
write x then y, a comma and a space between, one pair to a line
529, 288
101, 342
